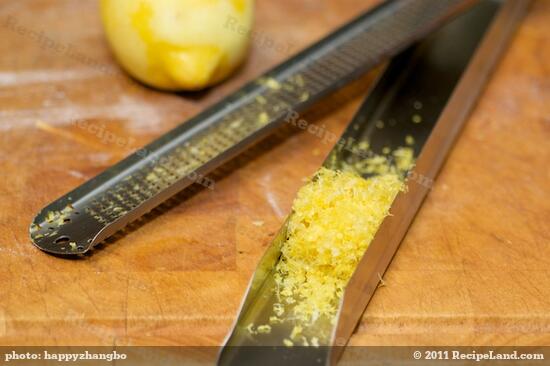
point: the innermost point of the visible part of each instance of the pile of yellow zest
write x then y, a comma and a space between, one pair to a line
334, 219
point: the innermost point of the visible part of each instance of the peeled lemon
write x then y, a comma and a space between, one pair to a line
178, 44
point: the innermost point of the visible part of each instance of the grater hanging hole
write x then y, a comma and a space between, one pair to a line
62, 240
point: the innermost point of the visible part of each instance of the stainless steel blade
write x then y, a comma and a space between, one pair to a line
86, 216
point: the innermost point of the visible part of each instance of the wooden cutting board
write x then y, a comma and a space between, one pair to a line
474, 268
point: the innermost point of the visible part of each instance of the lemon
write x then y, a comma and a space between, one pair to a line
178, 44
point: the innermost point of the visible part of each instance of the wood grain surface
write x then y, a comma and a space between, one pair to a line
473, 269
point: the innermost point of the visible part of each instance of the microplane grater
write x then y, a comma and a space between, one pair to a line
97, 209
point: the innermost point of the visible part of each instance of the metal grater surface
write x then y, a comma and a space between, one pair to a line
86, 216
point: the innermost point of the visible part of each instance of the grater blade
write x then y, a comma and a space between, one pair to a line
86, 216
446, 81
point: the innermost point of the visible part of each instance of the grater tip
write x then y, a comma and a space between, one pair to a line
63, 229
